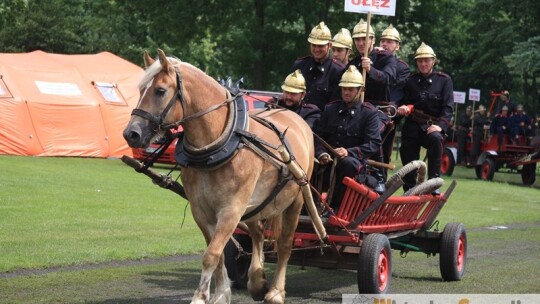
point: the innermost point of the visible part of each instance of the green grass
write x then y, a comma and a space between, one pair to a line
69, 211
80, 211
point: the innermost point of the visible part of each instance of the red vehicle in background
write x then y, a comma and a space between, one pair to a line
254, 100
516, 156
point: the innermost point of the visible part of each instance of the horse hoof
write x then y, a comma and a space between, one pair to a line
258, 294
275, 297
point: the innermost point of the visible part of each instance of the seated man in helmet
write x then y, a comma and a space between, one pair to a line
294, 91
520, 124
321, 72
499, 126
428, 106
352, 128
342, 46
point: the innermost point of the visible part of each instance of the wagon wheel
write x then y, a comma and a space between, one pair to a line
238, 265
528, 174
374, 265
447, 163
453, 252
486, 170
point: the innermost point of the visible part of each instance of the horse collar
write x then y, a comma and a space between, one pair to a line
221, 152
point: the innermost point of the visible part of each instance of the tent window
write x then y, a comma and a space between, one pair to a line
110, 93
4, 92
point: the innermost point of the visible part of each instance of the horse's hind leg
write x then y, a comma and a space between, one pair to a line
284, 246
257, 285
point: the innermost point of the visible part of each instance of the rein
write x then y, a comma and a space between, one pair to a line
179, 95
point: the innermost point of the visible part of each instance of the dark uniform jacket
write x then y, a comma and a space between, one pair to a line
497, 123
434, 95
380, 77
355, 128
310, 113
464, 122
479, 122
396, 88
322, 79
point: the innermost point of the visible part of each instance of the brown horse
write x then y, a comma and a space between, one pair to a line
229, 167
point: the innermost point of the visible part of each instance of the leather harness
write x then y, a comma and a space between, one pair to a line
234, 137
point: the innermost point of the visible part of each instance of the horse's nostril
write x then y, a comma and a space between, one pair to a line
133, 138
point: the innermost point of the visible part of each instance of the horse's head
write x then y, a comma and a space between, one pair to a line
159, 105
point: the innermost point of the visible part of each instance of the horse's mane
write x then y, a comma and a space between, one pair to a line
155, 68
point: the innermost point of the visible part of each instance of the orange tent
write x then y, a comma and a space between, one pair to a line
66, 105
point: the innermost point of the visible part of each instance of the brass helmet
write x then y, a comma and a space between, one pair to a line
424, 51
343, 39
360, 29
391, 33
352, 78
320, 35
294, 83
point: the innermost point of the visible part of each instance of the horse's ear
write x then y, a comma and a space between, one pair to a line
147, 60
163, 59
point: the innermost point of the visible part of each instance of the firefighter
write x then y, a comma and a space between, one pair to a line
294, 91
499, 126
391, 42
380, 67
505, 101
520, 124
342, 46
321, 72
463, 127
480, 125
352, 128
428, 106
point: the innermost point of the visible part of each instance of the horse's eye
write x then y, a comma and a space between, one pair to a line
160, 92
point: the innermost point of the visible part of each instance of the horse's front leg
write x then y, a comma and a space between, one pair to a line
213, 260
223, 285
257, 285
276, 295
202, 294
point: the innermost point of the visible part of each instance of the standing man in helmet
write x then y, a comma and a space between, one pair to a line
352, 128
380, 66
321, 72
480, 125
294, 91
463, 126
342, 46
428, 106
505, 101
391, 42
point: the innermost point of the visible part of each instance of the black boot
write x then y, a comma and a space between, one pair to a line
379, 176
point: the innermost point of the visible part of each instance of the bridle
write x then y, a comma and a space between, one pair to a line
159, 120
